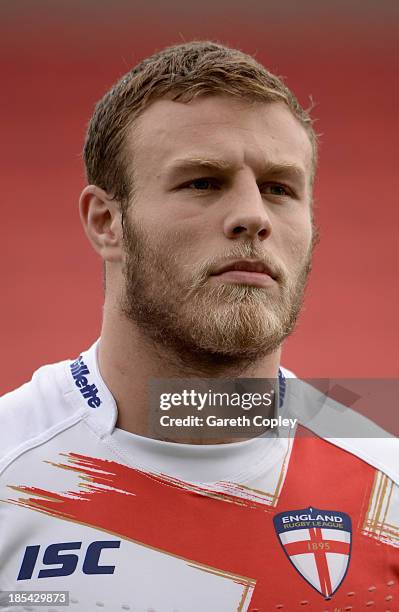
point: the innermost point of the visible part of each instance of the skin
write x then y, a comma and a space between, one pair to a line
192, 221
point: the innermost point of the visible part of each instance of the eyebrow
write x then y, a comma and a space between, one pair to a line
220, 165
198, 162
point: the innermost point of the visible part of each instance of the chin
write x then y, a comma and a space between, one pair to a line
246, 343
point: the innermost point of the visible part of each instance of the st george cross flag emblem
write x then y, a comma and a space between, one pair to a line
318, 544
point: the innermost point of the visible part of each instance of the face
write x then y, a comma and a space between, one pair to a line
219, 183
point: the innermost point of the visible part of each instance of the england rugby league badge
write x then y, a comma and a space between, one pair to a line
318, 545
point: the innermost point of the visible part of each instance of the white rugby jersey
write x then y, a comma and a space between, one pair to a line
123, 522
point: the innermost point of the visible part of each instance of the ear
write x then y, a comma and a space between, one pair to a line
101, 219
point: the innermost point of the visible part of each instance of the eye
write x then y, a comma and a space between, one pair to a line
276, 189
201, 184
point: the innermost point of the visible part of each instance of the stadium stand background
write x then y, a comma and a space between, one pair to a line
60, 57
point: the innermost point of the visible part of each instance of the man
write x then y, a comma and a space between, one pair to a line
200, 166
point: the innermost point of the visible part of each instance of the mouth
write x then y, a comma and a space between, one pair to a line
245, 272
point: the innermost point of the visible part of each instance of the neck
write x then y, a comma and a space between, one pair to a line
128, 360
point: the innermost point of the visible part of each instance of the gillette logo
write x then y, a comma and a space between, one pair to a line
79, 372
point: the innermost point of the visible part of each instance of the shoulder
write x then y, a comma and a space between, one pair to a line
36, 410
343, 427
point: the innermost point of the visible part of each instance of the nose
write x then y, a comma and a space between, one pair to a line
247, 216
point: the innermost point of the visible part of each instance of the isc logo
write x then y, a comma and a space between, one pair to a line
55, 554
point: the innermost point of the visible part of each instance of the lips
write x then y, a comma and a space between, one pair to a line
251, 272
245, 265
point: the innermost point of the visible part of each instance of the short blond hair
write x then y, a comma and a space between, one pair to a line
181, 72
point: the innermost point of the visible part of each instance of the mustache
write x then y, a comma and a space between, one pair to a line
243, 251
